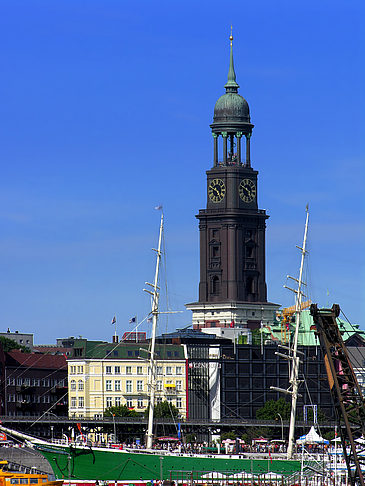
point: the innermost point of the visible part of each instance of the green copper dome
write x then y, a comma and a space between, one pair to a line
231, 110
231, 107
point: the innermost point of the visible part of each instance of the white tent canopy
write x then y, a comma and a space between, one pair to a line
312, 438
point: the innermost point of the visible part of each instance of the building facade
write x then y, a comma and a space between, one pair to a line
249, 371
22, 338
34, 384
112, 375
229, 380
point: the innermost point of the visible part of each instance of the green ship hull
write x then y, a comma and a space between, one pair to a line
102, 464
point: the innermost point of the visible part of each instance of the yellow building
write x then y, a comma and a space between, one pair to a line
103, 375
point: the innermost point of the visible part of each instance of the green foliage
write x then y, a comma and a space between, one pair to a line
321, 416
256, 337
329, 435
255, 432
121, 411
272, 408
164, 410
9, 344
190, 438
228, 435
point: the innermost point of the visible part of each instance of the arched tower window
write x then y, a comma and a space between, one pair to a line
250, 285
215, 285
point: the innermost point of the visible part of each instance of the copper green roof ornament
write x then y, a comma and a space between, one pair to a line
231, 111
231, 86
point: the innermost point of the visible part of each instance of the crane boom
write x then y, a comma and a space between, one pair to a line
344, 387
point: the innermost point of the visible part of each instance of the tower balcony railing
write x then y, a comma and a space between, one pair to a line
231, 161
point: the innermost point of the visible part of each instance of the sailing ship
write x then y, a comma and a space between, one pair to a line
81, 463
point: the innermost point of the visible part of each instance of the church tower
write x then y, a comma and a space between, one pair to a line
232, 289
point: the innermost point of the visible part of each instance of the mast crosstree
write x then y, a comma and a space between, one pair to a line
293, 352
155, 293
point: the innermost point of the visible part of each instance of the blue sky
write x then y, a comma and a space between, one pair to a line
105, 112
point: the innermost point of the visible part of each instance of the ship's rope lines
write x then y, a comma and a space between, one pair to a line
47, 411
45, 377
68, 471
29, 367
235, 410
26, 368
143, 466
164, 270
172, 415
24, 363
62, 470
165, 277
104, 345
164, 267
309, 289
311, 402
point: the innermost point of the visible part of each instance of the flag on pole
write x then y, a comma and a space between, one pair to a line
132, 320
158, 207
114, 320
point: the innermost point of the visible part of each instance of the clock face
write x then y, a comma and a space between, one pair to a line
247, 190
216, 190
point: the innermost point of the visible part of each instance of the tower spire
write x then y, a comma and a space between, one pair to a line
231, 86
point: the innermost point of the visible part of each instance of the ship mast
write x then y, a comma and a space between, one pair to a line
293, 351
294, 358
155, 293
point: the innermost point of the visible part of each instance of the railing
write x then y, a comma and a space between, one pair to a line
142, 420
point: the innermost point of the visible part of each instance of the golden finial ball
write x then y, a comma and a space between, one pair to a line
231, 37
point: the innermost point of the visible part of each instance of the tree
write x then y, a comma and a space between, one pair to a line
9, 344
255, 432
321, 416
256, 337
164, 410
229, 435
272, 408
120, 411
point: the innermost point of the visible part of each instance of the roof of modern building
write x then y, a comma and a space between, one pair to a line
52, 349
188, 335
126, 350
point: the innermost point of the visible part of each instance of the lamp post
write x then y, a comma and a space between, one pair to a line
115, 431
282, 426
52, 433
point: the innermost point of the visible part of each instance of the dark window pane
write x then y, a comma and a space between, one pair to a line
229, 368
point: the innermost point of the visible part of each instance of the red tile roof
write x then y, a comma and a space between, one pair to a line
36, 360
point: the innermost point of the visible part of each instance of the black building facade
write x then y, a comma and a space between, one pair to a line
232, 381
248, 372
